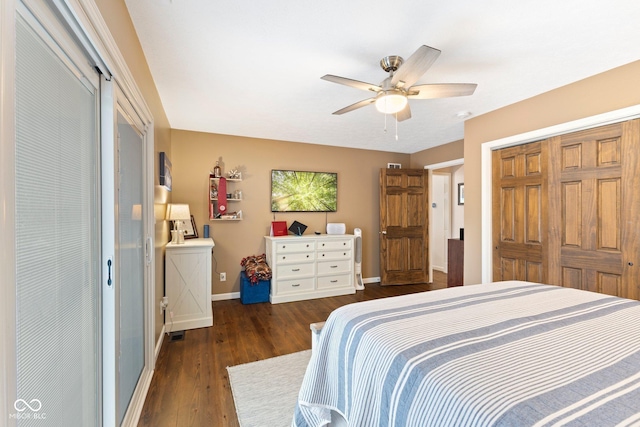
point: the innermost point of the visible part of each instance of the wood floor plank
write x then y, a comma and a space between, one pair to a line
190, 386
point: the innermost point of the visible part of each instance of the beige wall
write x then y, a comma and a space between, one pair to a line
116, 16
194, 154
609, 91
440, 154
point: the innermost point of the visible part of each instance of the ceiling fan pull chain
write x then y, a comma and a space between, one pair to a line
385, 123
396, 126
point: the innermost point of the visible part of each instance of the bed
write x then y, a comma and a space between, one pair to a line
501, 354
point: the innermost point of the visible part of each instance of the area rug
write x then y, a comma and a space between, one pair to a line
265, 392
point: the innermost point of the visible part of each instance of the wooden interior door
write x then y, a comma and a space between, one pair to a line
595, 202
403, 226
520, 213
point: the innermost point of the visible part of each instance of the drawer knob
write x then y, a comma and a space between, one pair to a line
334, 281
296, 285
334, 266
295, 269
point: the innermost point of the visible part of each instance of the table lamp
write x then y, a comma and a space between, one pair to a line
178, 213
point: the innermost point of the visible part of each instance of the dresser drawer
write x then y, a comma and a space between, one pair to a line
335, 281
295, 285
295, 270
295, 257
288, 247
326, 255
334, 244
332, 267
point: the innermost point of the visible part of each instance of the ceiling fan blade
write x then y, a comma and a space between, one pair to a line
443, 90
352, 83
415, 66
355, 106
404, 114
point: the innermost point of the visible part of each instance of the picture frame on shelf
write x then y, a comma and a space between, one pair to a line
190, 229
461, 193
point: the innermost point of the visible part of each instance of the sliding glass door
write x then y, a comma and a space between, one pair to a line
57, 232
131, 261
77, 220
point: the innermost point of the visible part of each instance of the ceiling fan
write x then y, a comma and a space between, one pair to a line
393, 93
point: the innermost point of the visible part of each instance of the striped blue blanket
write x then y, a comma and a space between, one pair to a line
501, 354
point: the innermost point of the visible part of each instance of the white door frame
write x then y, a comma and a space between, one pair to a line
446, 206
109, 356
431, 168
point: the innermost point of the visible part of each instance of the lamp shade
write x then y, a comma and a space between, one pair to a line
391, 102
177, 211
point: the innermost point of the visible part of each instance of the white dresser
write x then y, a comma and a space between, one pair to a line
306, 267
188, 284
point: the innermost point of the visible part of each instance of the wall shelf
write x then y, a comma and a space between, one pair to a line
236, 197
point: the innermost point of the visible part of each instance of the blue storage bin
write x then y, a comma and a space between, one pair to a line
251, 294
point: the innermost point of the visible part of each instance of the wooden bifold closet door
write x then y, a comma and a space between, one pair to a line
577, 225
520, 213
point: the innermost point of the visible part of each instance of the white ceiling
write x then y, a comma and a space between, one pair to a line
252, 68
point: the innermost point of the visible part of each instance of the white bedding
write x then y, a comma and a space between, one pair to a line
501, 354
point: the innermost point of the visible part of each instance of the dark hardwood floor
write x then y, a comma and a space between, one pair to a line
190, 386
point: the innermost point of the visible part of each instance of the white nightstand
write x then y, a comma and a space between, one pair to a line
188, 284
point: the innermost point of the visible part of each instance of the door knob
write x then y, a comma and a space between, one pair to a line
384, 231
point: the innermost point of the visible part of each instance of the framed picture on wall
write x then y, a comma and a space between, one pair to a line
461, 193
165, 171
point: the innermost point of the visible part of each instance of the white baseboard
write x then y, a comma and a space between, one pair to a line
236, 295
159, 344
132, 416
224, 297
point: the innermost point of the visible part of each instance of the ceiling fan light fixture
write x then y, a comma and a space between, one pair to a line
391, 102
